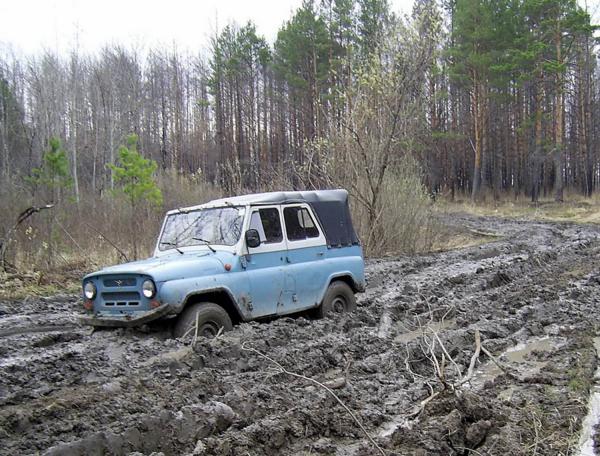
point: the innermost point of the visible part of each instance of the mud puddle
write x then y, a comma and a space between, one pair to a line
517, 357
427, 329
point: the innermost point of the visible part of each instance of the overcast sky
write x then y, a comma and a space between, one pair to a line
29, 26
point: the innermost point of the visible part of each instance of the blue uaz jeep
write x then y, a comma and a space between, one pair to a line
237, 259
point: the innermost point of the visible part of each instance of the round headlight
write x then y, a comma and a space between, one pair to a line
89, 290
148, 288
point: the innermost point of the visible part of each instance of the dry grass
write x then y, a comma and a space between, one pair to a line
406, 222
18, 288
73, 237
456, 239
41, 283
575, 209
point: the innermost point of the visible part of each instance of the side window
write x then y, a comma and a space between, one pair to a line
299, 224
268, 225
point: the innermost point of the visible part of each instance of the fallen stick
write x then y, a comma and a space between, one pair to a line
190, 329
474, 358
219, 332
196, 329
283, 370
497, 363
448, 355
419, 408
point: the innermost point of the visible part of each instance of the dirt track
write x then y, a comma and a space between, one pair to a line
533, 295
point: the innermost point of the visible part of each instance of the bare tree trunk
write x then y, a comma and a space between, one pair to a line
74, 123
478, 126
558, 125
537, 153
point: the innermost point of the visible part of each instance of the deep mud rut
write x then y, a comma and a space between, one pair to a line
532, 294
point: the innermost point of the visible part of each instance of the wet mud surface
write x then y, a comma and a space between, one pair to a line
400, 363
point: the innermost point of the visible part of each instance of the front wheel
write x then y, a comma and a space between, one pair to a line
209, 317
339, 298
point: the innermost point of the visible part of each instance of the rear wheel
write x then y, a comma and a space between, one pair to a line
339, 298
210, 318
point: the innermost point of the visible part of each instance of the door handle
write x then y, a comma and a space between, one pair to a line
320, 254
287, 259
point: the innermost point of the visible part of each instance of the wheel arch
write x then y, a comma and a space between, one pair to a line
347, 279
219, 296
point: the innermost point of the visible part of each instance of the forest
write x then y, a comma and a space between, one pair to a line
479, 99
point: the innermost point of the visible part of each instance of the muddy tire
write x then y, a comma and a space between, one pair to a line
211, 318
339, 298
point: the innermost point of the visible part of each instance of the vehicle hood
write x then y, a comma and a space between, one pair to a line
173, 266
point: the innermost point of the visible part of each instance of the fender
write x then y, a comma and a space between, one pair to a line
356, 285
243, 314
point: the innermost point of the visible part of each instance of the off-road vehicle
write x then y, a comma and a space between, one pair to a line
237, 259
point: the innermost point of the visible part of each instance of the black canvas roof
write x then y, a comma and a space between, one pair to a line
330, 206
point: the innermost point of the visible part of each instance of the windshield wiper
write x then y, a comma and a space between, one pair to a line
205, 242
173, 244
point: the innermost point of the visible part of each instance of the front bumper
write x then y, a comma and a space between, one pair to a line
125, 321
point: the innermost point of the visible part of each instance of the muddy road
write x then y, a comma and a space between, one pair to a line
402, 363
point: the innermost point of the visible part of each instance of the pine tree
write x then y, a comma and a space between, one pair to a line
374, 20
135, 179
54, 175
301, 59
239, 59
474, 43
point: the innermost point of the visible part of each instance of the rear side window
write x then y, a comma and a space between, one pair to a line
268, 225
299, 224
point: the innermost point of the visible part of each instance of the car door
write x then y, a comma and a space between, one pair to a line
306, 248
265, 263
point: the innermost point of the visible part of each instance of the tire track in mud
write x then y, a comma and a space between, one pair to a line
35, 329
123, 391
512, 275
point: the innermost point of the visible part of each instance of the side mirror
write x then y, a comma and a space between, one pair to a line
252, 239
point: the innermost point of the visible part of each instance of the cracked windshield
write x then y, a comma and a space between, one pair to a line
218, 226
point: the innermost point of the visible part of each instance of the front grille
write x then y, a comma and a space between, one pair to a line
120, 282
122, 299
121, 303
